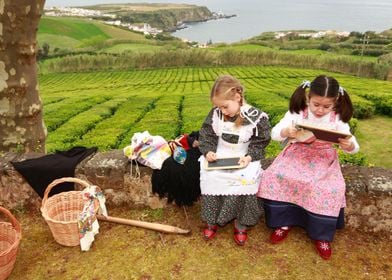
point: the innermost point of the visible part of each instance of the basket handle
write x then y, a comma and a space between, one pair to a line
14, 221
59, 181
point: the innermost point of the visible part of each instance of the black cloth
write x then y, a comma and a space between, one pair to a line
179, 182
40, 172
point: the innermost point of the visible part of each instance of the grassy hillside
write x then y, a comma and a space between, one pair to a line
78, 29
113, 105
66, 34
256, 47
368, 44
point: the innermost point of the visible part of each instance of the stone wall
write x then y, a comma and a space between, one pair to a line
369, 190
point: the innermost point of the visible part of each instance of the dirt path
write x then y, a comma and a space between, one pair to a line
123, 252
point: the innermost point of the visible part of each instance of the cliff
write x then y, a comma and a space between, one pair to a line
163, 16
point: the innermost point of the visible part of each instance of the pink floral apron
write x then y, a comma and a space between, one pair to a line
307, 175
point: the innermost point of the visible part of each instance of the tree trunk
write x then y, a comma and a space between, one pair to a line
21, 123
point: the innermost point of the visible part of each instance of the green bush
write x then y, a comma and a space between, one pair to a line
353, 123
371, 52
385, 107
363, 108
386, 58
382, 101
324, 47
354, 159
198, 57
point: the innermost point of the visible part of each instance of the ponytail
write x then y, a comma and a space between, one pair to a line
344, 106
298, 99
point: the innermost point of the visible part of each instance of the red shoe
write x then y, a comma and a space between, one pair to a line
209, 231
240, 236
323, 249
279, 234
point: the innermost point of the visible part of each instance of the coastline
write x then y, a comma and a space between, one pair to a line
215, 16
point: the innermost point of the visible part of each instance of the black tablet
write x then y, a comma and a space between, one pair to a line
223, 163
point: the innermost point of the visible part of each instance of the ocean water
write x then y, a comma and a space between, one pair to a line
257, 16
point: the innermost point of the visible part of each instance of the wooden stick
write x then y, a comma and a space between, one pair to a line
147, 225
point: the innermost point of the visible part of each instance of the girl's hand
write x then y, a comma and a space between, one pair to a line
244, 161
346, 144
289, 132
211, 156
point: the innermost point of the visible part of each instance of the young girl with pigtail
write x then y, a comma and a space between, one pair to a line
231, 129
304, 186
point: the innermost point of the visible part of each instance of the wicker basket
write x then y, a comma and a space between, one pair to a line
61, 211
10, 235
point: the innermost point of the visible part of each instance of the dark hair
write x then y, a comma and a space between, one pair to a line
326, 87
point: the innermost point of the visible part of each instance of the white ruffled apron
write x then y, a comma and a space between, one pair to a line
244, 181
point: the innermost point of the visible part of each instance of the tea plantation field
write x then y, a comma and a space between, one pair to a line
105, 109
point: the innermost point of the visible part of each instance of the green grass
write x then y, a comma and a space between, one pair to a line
78, 29
58, 41
375, 136
73, 34
126, 252
134, 47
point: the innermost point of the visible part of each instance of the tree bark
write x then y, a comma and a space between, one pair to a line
21, 123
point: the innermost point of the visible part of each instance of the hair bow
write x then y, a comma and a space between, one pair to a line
306, 84
341, 90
